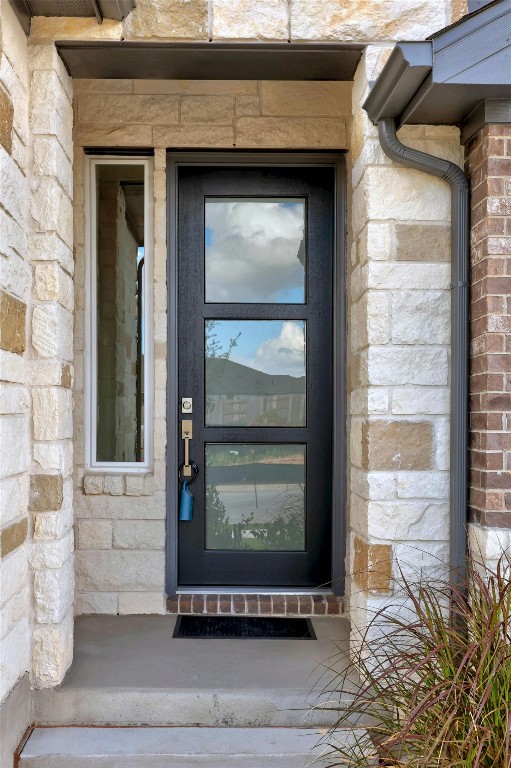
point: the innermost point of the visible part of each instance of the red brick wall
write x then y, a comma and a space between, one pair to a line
489, 167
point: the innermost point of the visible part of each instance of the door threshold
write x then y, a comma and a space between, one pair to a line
256, 603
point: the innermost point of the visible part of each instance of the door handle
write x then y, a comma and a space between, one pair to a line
186, 435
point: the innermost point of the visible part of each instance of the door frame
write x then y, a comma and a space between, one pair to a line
236, 158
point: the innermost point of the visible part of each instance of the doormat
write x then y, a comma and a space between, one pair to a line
263, 627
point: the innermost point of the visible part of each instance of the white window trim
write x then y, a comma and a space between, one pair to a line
91, 347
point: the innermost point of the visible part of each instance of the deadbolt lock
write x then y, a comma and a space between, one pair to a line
186, 405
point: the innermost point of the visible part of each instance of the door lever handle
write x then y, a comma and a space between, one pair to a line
186, 435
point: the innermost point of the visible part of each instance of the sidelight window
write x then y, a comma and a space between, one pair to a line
119, 312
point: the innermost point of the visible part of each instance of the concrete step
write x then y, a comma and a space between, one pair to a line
129, 670
175, 747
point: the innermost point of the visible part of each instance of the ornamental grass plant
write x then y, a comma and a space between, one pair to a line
434, 685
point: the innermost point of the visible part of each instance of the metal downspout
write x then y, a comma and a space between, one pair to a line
460, 244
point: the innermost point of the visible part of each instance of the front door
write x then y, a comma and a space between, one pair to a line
255, 251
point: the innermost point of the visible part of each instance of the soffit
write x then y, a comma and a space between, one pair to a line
101, 9
210, 61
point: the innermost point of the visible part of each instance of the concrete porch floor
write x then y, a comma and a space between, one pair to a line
129, 670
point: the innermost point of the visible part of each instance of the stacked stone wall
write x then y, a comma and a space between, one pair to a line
489, 167
398, 367
15, 308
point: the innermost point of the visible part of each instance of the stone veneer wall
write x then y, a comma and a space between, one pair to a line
36, 314
489, 166
15, 304
399, 303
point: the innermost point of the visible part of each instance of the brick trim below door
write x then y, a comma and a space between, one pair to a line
257, 605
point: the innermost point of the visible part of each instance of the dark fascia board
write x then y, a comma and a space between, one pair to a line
408, 66
486, 111
108, 9
116, 9
470, 62
210, 61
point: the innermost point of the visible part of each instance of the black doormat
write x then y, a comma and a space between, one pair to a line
263, 627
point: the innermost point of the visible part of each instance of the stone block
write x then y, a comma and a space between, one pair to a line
361, 21
13, 399
14, 442
95, 534
136, 534
145, 602
394, 445
48, 92
14, 570
403, 520
6, 119
487, 545
105, 507
421, 317
406, 195
14, 188
250, 20
54, 456
49, 123
53, 593
50, 526
372, 566
52, 652
396, 277
422, 242
51, 160
13, 498
51, 208
96, 602
52, 411
213, 110
248, 106
16, 273
114, 485
52, 331
134, 485
132, 135
12, 367
13, 242
51, 554
47, 246
93, 484
306, 98
291, 132
15, 658
14, 610
13, 313
120, 570
192, 136
13, 536
172, 19
120, 109
420, 400
423, 485
46, 493
387, 366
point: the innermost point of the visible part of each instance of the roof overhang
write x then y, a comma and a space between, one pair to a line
442, 81
210, 61
101, 9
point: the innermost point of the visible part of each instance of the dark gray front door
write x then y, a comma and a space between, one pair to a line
255, 348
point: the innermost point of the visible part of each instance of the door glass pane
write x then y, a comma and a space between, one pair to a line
120, 308
255, 373
255, 250
255, 496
